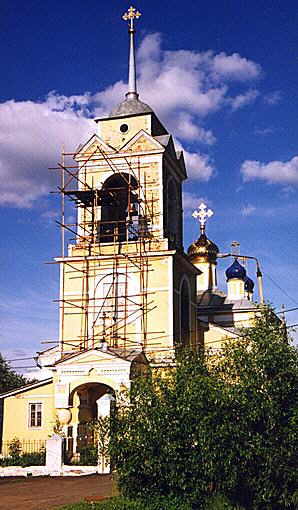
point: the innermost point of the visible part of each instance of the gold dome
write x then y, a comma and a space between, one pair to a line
203, 250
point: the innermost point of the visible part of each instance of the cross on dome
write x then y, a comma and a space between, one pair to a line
202, 213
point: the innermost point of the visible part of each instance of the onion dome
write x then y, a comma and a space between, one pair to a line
248, 284
203, 250
236, 271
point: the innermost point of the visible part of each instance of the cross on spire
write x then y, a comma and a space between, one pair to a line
130, 16
202, 213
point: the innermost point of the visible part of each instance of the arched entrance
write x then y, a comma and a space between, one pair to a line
90, 405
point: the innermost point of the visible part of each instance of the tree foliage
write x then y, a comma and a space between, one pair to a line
9, 379
216, 425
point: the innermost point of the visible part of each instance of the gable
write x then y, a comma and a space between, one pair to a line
91, 357
142, 142
95, 145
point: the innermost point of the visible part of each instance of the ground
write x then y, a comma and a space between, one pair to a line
45, 493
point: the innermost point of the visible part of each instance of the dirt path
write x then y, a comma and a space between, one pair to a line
48, 493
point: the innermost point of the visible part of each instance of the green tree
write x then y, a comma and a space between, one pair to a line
215, 425
9, 379
261, 374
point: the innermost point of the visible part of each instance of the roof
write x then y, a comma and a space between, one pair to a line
26, 387
217, 301
130, 107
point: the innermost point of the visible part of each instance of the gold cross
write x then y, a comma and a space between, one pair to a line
131, 15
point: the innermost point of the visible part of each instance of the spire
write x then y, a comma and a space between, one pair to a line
130, 16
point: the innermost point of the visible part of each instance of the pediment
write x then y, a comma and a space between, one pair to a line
142, 142
95, 145
91, 357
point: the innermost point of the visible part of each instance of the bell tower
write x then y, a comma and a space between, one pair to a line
126, 282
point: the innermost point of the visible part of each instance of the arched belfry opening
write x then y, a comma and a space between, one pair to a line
119, 209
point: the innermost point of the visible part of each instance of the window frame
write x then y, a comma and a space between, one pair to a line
36, 425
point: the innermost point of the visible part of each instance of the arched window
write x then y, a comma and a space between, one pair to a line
173, 211
185, 313
119, 207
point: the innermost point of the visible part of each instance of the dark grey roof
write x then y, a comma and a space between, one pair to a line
130, 107
26, 387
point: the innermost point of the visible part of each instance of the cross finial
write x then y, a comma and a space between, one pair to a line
130, 16
202, 213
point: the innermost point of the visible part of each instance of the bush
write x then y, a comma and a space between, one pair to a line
215, 503
128, 504
220, 502
88, 456
223, 425
25, 459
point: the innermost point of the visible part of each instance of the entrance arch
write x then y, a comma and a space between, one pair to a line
84, 401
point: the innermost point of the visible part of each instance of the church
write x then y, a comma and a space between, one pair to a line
130, 295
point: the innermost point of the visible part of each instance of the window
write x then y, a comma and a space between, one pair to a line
184, 314
35, 415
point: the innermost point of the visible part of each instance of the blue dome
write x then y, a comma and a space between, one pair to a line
236, 271
248, 284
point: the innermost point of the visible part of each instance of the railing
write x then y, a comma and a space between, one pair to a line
19, 447
23, 453
83, 451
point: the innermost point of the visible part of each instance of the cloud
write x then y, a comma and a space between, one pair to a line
199, 166
235, 67
31, 138
248, 209
273, 97
182, 86
186, 128
192, 201
278, 172
263, 131
244, 99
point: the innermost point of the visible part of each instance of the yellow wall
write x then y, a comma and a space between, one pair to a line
109, 130
16, 414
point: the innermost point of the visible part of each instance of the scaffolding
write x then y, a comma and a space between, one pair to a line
111, 239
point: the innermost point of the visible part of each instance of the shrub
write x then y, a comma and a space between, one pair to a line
88, 456
226, 425
25, 459
128, 504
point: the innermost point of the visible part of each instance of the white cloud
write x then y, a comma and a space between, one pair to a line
248, 209
273, 172
199, 166
188, 129
264, 131
31, 138
192, 201
273, 97
181, 86
235, 67
244, 99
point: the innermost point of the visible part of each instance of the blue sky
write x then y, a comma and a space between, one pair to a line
223, 79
